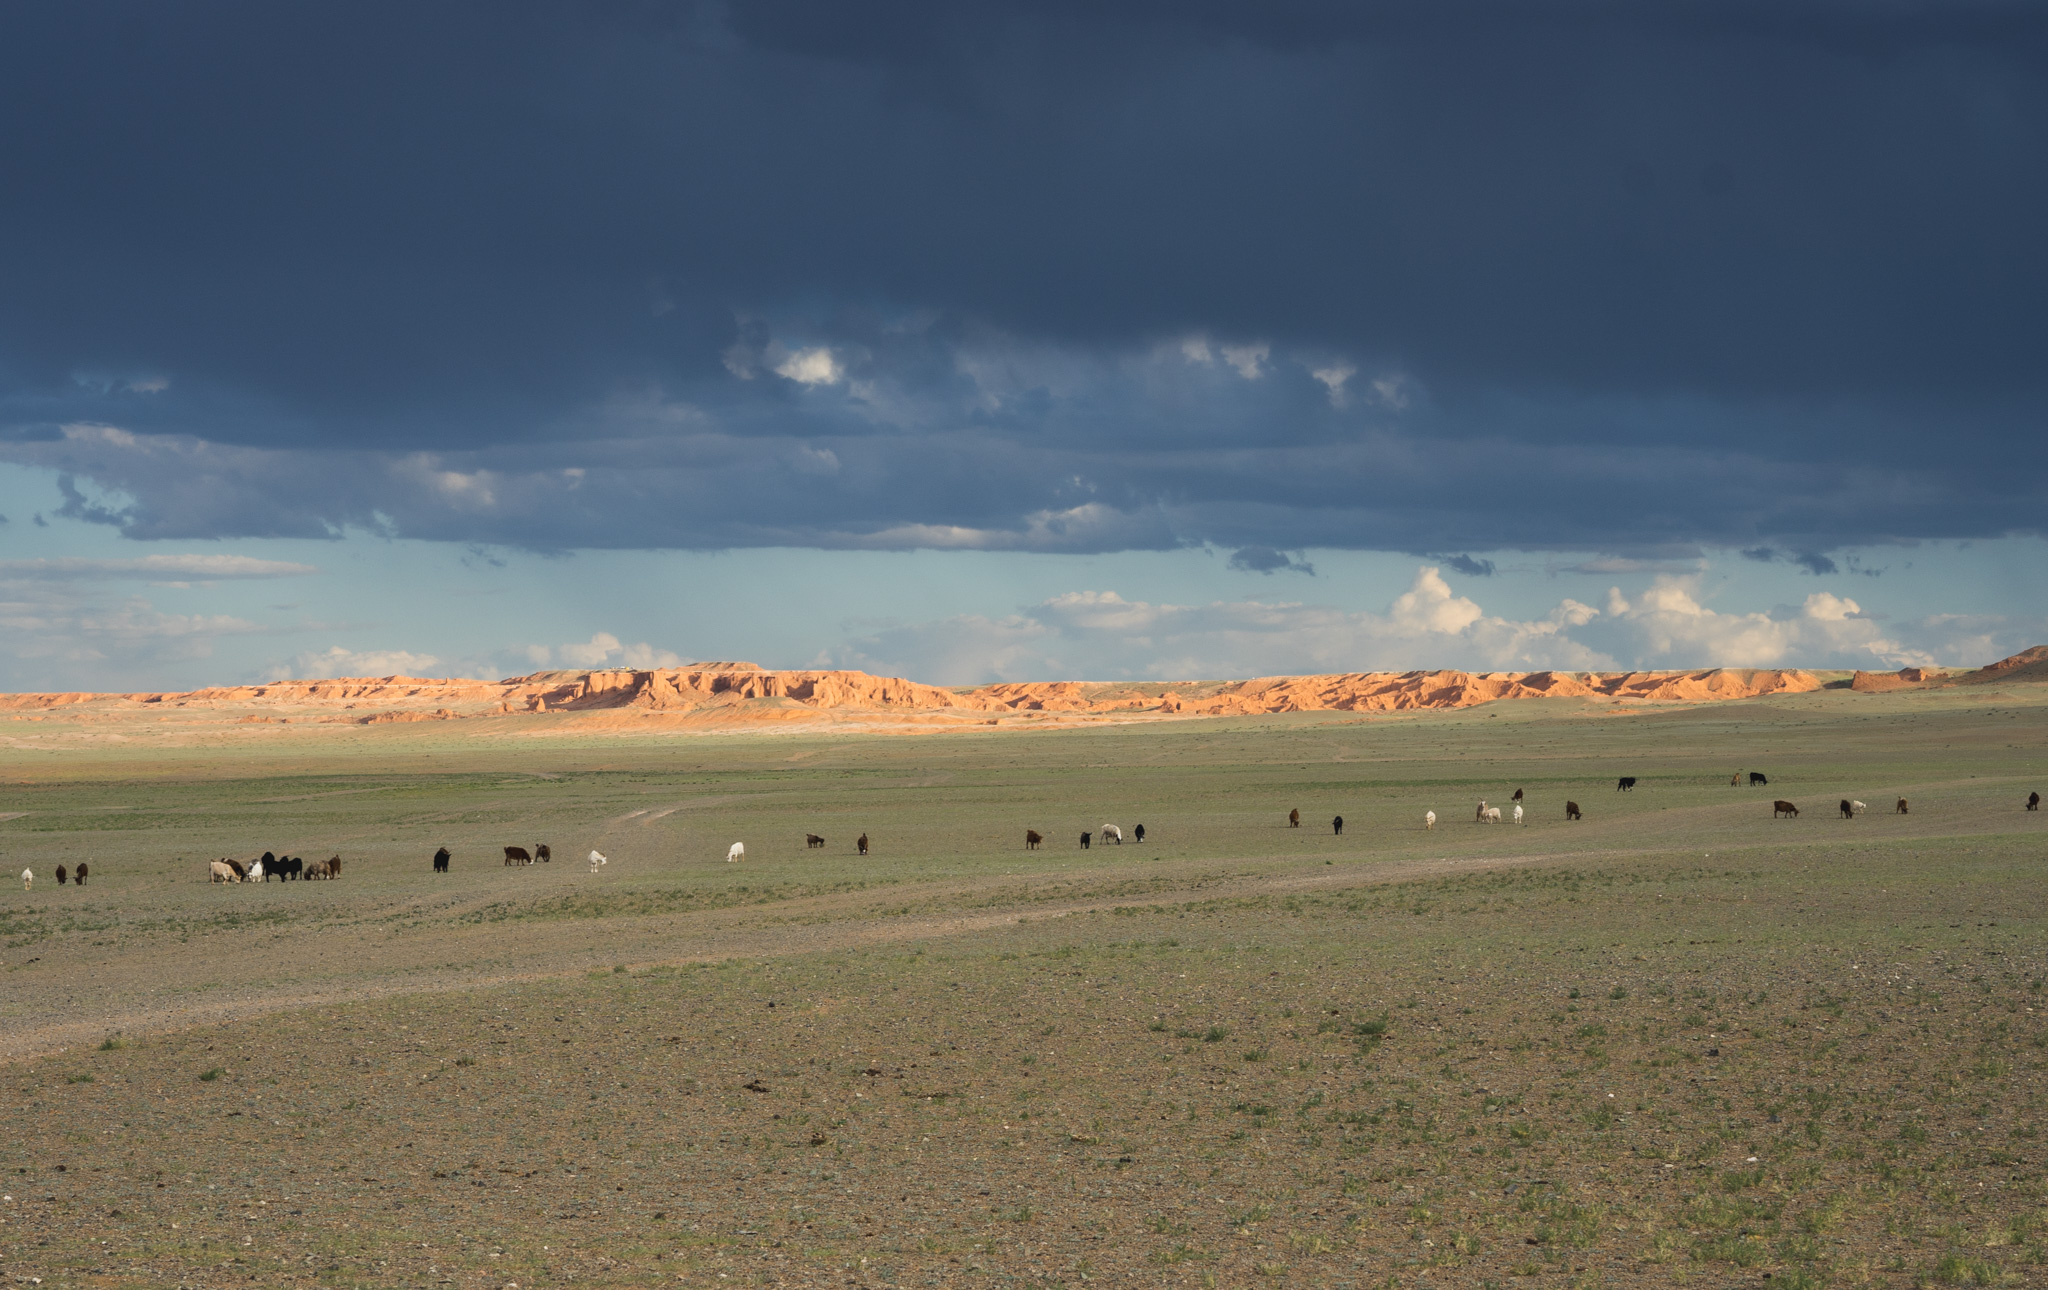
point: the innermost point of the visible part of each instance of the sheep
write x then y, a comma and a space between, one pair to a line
63, 875
1480, 814
1857, 807
862, 843
1337, 826
1138, 833
1294, 819
1571, 811
1492, 815
1518, 812
812, 841
598, 857
80, 878
1902, 807
737, 851
1031, 839
219, 871
1429, 819
28, 879
1111, 833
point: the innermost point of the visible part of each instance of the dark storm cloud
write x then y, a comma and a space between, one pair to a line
1040, 276
1264, 559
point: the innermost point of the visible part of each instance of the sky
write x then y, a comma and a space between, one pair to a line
1006, 341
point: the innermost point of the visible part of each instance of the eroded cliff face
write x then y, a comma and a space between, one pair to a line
736, 693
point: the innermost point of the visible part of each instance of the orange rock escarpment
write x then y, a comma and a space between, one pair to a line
728, 694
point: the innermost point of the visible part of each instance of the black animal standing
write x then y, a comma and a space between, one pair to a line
1294, 819
1084, 841
1626, 784
2033, 801
863, 844
1139, 833
80, 880
1757, 780
1517, 797
542, 854
1031, 839
812, 842
1337, 826
1571, 810
269, 863
441, 860
61, 875
1848, 811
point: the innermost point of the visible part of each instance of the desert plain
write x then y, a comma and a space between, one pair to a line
1680, 1041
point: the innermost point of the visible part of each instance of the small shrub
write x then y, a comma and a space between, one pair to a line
1215, 1034
79, 1079
212, 1075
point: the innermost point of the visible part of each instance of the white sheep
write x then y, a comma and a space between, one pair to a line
1858, 807
220, 871
1518, 812
1429, 819
737, 852
596, 858
1111, 833
27, 880
1492, 815
1480, 814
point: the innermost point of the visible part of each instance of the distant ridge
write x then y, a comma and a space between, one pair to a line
744, 694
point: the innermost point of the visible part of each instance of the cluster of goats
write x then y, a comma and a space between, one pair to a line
268, 866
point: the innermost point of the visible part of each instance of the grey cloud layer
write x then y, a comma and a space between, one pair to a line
1033, 276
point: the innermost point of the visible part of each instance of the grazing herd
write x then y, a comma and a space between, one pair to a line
289, 868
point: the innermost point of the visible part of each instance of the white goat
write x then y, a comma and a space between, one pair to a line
27, 880
738, 851
1111, 833
596, 858
1518, 812
1429, 819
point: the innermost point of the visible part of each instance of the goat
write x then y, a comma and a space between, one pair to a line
63, 875
268, 866
1111, 833
80, 879
1337, 826
441, 860
241, 870
1735, 780
1480, 814
1902, 806
28, 879
812, 841
542, 854
1084, 841
1138, 834
862, 843
1848, 808
1517, 797
2033, 801
737, 851
334, 866
1757, 780
1518, 812
598, 857
1571, 811
518, 854
1294, 819
1782, 807
219, 871
1031, 839
1429, 819
1626, 784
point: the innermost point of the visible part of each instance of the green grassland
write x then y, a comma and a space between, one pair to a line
1678, 1042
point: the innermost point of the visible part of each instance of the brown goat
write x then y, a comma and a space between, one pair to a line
1571, 811
1782, 807
812, 841
1902, 806
519, 854
1031, 839
863, 844
1294, 819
